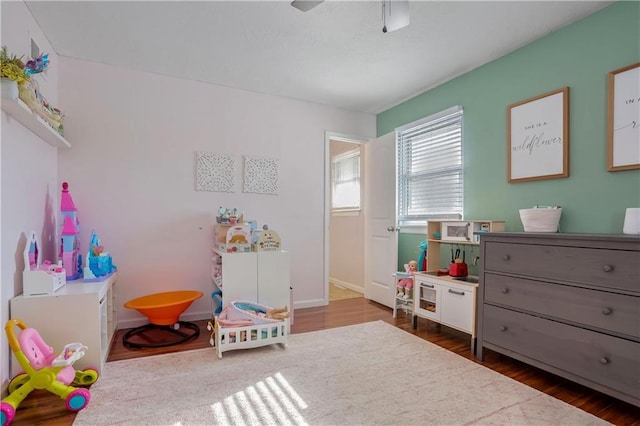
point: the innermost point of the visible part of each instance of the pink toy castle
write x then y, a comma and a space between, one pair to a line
70, 236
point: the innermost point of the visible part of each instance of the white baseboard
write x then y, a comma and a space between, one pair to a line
345, 284
312, 303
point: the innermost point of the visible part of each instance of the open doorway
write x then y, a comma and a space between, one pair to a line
344, 227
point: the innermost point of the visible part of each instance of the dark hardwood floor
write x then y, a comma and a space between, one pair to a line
42, 408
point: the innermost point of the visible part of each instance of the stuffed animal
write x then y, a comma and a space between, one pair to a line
278, 313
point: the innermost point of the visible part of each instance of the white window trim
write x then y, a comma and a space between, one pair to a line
409, 224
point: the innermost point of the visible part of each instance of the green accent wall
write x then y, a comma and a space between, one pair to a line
579, 56
408, 248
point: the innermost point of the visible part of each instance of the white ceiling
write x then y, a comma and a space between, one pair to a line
334, 54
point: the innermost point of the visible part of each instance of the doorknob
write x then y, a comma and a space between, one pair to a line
392, 229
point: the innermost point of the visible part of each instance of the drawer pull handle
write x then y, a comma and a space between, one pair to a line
503, 328
607, 311
427, 285
460, 293
604, 360
608, 268
505, 290
505, 257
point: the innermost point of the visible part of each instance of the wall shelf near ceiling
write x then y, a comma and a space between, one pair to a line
32, 121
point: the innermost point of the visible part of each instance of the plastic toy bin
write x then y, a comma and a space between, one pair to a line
100, 265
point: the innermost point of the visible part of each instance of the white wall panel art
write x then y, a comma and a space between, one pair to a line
215, 172
260, 175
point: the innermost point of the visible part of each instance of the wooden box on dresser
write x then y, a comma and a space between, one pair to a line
566, 303
79, 312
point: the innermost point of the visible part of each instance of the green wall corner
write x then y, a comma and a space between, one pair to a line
579, 56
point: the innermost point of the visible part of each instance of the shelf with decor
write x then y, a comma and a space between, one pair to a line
464, 232
261, 276
19, 110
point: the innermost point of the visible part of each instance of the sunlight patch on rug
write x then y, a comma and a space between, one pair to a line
270, 401
364, 374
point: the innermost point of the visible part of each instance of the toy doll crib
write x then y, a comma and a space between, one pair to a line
239, 328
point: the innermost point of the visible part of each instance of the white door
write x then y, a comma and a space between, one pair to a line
381, 238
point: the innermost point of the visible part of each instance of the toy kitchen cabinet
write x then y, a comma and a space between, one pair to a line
79, 312
447, 300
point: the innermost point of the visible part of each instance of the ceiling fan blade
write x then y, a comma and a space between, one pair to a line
305, 5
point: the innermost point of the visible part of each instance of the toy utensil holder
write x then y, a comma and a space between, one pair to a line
39, 278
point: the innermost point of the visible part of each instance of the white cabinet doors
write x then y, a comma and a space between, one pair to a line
262, 277
239, 277
274, 279
458, 307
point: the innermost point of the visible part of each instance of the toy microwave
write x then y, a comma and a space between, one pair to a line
457, 231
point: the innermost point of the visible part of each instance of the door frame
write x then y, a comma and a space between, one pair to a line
328, 137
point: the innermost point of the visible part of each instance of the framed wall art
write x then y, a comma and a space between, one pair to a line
538, 137
623, 118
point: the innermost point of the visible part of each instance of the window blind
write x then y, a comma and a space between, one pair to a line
430, 174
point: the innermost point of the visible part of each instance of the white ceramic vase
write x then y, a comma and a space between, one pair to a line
9, 89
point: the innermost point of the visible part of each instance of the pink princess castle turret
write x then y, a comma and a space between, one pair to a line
70, 236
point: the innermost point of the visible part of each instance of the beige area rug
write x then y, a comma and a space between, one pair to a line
337, 292
365, 374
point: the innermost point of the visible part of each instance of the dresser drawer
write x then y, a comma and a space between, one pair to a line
616, 269
593, 308
604, 359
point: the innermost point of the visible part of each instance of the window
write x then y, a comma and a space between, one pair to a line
345, 177
430, 174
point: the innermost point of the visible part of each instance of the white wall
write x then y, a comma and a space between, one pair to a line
29, 187
131, 174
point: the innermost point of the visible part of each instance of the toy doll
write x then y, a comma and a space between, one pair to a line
405, 285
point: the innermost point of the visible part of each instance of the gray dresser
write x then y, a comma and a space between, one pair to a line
565, 303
